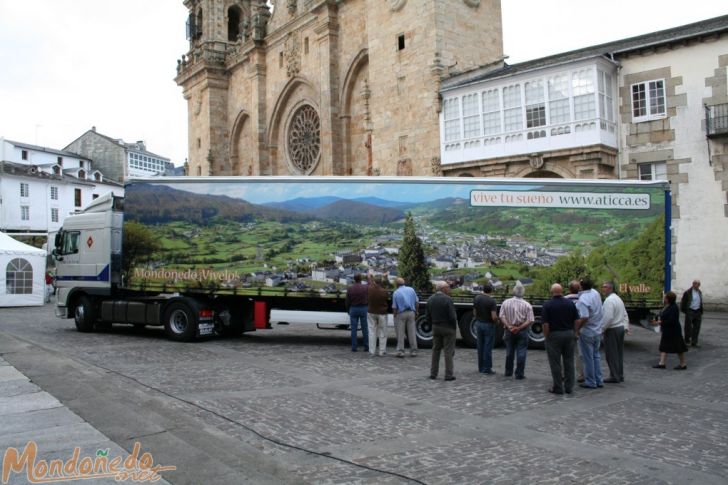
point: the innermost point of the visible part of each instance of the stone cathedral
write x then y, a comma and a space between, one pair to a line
326, 87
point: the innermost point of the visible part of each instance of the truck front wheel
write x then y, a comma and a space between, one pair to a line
180, 322
84, 314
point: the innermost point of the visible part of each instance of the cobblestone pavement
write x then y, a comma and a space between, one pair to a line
295, 405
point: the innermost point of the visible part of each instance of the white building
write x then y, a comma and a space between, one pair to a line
40, 186
652, 107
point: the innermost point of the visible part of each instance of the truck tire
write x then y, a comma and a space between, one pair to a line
180, 322
467, 329
536, 338
84, 314
424, 333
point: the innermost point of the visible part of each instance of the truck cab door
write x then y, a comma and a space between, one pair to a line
67, 256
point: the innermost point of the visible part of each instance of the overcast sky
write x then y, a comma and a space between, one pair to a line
68, 65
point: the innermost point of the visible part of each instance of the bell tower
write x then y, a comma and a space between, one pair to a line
213, 28
324, 87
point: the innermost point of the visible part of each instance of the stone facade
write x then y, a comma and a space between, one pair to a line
694, 74
326, 87
119, 160
106, 153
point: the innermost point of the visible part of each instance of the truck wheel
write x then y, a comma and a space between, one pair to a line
180, 322
536, 338
84, 314
467, 329
424, 333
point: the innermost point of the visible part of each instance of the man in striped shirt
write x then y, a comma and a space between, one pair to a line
516, 315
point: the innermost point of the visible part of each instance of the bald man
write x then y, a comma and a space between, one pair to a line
558, 317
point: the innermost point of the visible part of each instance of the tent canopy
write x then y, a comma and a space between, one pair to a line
22, 273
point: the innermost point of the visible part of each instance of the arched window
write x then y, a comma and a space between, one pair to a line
97, 177
81, 174
19, 277
234, 14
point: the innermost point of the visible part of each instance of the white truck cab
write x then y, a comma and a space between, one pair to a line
97, 267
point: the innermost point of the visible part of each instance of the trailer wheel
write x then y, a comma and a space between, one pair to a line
536, 338
423, 330
467, 329
84, 314
180, 322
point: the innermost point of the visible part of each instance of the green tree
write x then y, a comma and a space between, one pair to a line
412, 265
566, 268
139, 244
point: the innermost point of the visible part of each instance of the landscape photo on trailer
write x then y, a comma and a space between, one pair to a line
312, 236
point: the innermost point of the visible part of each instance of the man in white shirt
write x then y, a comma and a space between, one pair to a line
615, 324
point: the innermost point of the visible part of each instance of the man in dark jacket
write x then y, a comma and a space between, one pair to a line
691, 304
558, 317
443, 319
357, 300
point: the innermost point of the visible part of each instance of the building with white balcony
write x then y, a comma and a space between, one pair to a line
534, 119
652, 107
40, 186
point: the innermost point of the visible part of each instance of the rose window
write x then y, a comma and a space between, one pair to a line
304, 139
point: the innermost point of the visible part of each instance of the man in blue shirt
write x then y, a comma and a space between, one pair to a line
404, 306
589, 331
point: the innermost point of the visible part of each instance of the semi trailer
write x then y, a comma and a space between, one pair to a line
203, 256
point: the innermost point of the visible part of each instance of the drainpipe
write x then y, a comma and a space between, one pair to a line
617, 117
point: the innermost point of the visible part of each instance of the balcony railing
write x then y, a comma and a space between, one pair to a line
716, 120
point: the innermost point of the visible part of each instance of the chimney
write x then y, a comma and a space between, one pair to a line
93, 128
140, 145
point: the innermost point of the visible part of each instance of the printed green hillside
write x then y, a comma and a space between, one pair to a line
156, 204
569, 228
631, 262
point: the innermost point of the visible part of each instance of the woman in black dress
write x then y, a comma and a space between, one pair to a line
672, 341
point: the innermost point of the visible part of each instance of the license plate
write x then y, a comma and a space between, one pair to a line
206, 328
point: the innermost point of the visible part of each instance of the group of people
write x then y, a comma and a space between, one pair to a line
573, 323
367, 308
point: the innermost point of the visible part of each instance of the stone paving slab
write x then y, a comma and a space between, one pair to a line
27, 414
27, 402
40, 420
9, 373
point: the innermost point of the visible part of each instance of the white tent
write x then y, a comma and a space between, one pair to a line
22, 273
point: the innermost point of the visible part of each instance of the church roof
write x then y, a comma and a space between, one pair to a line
46, 149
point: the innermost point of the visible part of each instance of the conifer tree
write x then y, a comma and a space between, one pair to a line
412, 265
